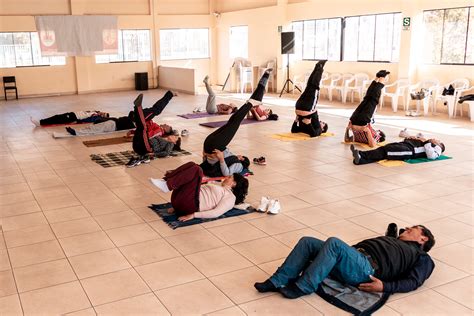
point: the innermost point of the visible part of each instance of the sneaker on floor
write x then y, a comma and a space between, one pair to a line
260, 161
34, 121
403, 133
274, 207
264, 201
145, 159
184, 132
133, 162
355, 155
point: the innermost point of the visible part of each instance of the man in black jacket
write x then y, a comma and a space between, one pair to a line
382, 264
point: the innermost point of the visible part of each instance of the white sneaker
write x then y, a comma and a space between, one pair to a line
274, 207
160, 184
404, 133
263, 204
36, 122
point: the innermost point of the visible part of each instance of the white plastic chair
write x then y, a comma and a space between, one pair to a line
246, 78
357, 85
300, 81
334, 78
431, 86
401, 87
342, 88
271, 80
459, 85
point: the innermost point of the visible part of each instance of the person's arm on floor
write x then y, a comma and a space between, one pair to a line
234, 168
415, 278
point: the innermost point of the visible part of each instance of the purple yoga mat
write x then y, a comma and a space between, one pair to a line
221, 123
196, 115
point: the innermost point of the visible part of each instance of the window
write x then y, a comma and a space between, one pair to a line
20, 49
133, 45
318, 39
372, 37
184, 43
448, 36
239, 41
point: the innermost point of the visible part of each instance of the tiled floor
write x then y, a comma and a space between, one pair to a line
78, 238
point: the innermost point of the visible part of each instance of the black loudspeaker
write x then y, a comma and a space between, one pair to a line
288, 42
141, 81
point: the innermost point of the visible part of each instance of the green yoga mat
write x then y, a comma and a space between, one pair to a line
420, 160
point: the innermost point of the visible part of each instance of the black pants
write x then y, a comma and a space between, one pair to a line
64, 118
365, 111
313, 129
158, 107
140, 142
309, 98
392, 151
220, 138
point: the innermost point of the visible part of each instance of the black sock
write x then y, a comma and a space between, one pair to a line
260, 90
291, 291
71, 131
266, 286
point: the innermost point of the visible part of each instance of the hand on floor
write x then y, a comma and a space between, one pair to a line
186, 218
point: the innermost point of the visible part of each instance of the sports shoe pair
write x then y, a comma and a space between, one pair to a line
198, 110
267, 205
184, 132
260, 161
137, 161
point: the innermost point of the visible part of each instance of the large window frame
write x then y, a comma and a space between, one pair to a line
134, 39
468, 38
190, 48
371, 36
31, 47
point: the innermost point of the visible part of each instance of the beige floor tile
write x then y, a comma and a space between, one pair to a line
278, 305
461, 291
148, 252
114, 286
35, 253
218, 261
318, 197
168, 273
237, 232
85, 312
467, 218
106, 206
8, 283
312, 216
43, 275
59, 299
273, 225
146, 304
14, 198
119, 219
14, 188
346, 208
19, 208
60, 201
413, 214
451, 228
344, 230
291, 203
238, 285
4, 260
146, 214
27, 236
86, 243
194, 242
132, 234
10, 305
66, 214
23, 221
349, 190
224, 221
291, 238
378, 202
198, 297
428, 303
231, 311
464, 198
406, 195
377, 222
99, 262
456, 255
75, 227
443, 274
262, 250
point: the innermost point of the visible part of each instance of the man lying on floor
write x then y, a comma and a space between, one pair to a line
382, 264
72, 117
113, 124
409, 148
191, 200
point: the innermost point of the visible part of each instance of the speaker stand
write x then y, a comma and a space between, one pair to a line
288, 80
228, 75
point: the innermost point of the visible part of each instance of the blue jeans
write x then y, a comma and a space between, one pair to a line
312, 260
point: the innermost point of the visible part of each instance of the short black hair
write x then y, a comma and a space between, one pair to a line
241, 188
431, 240
325, 128
245, 162
381, 136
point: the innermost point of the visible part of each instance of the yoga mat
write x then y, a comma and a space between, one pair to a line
363, 145
197, 115
288, 137
421, 160
107, 141
221, 123
391, 163
121, 158
173, 222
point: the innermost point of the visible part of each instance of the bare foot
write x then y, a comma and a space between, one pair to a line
170, 210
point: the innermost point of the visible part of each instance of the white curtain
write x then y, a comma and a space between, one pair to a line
76, 35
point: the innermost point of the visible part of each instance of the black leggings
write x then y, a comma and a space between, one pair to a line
158, 107
309, 98
364, 112
140, 142
220, 138
392, 151
65, 118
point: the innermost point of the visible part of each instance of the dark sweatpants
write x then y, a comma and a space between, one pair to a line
392, 151
313, 129
365, 111
65, 118
185, 182
220, 138
309, 98
140, 142
158, 107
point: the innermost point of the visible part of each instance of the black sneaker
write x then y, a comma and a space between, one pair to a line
145, 159
133, 162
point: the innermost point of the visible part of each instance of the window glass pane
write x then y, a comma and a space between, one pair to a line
321, 39
7, 50
23, 55
454, 35
119, 55
184, 44
144, 46
432, 36
366, 37
351, 38
297, 27
397, 29
470, 39
130, 44
308, 39
238, 42
383, 37
334, 39
36, 50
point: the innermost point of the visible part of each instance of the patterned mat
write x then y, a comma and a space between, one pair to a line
121, 158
